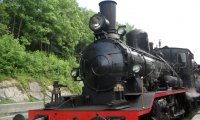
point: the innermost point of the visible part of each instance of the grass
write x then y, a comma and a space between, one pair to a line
31, 99
4, 77
7, 101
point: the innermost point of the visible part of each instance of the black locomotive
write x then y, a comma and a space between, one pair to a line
125, 81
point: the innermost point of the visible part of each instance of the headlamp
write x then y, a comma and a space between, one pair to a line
98, 22
136, 68
75, 72
121, 30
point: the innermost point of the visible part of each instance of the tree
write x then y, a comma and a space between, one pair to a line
129, 27
48, 25
53, 26
3, 19
86, 34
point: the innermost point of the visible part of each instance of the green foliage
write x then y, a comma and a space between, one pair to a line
86, 34
3, 19
31, 99
16, 62
49, 25
4, 77
11, 55
52, 26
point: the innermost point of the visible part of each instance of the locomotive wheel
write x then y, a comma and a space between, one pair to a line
157, 114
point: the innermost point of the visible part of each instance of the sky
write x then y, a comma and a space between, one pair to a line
175, 22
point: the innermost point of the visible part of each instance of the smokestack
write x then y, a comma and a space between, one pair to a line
108, 10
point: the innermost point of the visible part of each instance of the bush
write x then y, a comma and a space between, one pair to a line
11, 55
15, 61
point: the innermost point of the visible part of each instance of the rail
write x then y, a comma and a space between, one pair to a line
8, 111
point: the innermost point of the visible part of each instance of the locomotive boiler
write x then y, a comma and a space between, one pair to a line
124, 81
108, 65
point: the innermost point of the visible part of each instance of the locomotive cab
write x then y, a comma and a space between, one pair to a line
181, 60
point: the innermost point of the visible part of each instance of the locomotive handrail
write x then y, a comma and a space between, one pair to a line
168, 65
142, 52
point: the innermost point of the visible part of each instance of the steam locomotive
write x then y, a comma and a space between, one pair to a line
125, 81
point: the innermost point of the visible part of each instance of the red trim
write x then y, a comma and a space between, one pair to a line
82, 115
159, 95
88, 115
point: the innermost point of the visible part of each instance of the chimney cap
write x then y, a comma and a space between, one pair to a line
107, 1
